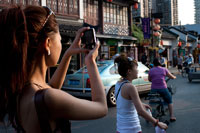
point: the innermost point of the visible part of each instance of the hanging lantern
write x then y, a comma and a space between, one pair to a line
157, 21
198, 46
156, 27
135, 6
109, 0
156, 33
179, 44
161, 42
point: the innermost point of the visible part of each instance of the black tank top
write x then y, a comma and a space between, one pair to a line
62, 125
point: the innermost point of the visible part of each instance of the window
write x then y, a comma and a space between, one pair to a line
115, 14
64, 7
91, 11
23, 2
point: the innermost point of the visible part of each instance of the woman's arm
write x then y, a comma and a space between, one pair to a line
170, 75
63, 105
58, 77
141, 109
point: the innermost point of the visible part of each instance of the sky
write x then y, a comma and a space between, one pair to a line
186, 11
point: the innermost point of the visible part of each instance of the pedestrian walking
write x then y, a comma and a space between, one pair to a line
180, 63
30, 45
162, 61
128, 102
102, 57
144, 59
199, 58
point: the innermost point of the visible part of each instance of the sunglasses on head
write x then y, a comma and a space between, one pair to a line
130, 59
50, 13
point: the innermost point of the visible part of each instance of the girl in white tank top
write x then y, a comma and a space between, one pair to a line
128, 102
127, 116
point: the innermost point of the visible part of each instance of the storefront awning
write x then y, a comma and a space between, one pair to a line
116, 37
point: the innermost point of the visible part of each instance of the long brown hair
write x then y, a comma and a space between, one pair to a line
22, 35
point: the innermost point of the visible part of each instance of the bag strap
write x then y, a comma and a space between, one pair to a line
120, 88
42, 111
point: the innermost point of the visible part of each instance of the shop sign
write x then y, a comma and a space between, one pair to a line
112, 42
146, 27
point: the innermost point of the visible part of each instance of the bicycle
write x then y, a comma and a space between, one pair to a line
157, 103
185, 70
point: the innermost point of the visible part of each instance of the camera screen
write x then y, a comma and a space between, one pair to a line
89, 36
89, 39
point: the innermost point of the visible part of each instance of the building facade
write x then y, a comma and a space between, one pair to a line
169, 10
110, 18
197, 11
112, 22
143, 9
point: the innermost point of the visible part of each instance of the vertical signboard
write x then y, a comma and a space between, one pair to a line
146, 27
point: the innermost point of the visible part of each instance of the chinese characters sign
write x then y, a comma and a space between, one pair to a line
146, 27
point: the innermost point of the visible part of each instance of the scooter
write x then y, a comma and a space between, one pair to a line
157, 103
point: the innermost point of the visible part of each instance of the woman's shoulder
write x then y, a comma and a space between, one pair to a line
153, 69
164, 68
129, 85
54, 96
52, 92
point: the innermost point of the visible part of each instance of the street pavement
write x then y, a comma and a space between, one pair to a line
173, 70
186, 108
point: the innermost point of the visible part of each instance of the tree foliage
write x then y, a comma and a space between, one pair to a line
137, 33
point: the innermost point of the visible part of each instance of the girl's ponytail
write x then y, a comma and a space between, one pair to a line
13, 57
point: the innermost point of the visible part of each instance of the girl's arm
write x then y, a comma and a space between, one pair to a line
140, 108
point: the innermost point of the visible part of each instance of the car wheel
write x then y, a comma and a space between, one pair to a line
111, 97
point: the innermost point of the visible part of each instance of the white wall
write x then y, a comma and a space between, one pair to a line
81, 11
44, 2
194, 44
173, 44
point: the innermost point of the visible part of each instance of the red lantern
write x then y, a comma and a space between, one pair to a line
161, 42
198, 46
109, 0
156, 27
179, 44
135, 6
157, 21
156, 33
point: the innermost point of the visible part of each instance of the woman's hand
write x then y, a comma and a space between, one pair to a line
92, 55
147, 106
76, 45
162, 125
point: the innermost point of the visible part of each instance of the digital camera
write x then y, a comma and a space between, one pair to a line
89, 38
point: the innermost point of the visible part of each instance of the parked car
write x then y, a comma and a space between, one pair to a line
193, 74
78, 84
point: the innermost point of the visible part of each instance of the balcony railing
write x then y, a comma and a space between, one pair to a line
116, 29
60, 7
64, 8
4, 3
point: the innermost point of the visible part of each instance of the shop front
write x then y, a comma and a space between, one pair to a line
110, 45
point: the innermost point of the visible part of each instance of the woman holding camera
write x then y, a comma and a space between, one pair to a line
30, 45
